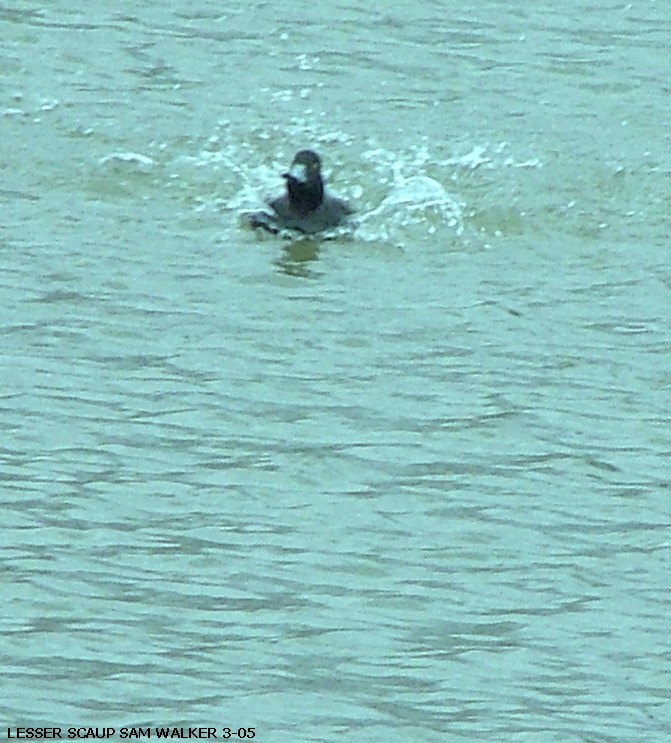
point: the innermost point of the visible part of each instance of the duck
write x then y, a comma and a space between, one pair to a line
306, 207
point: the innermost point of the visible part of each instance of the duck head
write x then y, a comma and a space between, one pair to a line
305, 186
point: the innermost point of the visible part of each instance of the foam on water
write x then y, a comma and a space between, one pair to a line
395, 199
128, 162
401, 197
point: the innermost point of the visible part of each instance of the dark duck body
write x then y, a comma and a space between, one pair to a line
305, 207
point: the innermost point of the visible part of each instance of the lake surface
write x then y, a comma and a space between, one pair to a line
412, 483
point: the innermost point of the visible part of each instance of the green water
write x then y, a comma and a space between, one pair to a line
412, 482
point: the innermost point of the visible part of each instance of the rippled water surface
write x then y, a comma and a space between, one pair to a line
411, 483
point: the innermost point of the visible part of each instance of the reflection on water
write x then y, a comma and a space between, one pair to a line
297, 255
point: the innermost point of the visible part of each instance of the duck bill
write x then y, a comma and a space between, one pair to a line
298, 172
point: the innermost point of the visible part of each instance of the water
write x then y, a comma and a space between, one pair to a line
409, 483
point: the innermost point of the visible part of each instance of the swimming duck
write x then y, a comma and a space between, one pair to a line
305, 207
